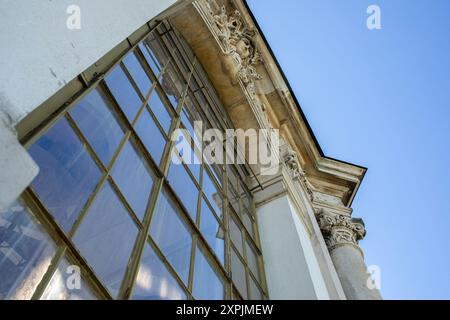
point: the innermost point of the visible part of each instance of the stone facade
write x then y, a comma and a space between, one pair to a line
305, 208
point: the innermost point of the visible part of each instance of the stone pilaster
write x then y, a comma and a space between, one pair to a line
342, 234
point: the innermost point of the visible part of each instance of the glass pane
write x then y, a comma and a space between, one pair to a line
106, 238
134, 178
138, 73
156, 52
245, 199
233, 198
26, 252
160, 111
233, 179
99, 124
67, 284
181, 182
211, 192
236, 235
216, 170
252, 260
255, 293
185, 150
151, 59
67, 174
154, 281
212, 231
122, 89
188, 118
172, 85
172, 235
151, 136
207, 285
238, 274
247, 221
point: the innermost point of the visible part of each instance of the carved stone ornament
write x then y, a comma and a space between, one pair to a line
339, 229
237, 42
290, 159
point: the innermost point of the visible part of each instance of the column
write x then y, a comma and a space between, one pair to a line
342, 234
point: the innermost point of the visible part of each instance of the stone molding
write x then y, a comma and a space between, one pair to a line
340, 229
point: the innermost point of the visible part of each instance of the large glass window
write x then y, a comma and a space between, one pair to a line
141, 217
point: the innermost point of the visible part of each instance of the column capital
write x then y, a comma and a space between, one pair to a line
340, 229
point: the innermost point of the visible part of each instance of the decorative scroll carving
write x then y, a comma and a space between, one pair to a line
339, 229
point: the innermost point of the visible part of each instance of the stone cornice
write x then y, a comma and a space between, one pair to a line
255, 94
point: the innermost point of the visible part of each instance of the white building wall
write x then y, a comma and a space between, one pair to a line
40, 54
291, 267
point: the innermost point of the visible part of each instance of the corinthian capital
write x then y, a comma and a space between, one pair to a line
340, 229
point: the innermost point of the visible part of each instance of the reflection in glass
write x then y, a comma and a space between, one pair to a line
154, 281
188, 121
133, 177
106, 238
172, 85
159, 110
236, 235
252, 260
184, 187
171, 235
212, 231
99, 124
150, 135
233, 198
189, 155
138, 73
207, 285
26, 252
245, 198
211, 192
158, 57
238, 274
67, 175
150, 58
65, 284
124, 93
247, 221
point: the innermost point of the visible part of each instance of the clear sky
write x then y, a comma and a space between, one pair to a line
380, 99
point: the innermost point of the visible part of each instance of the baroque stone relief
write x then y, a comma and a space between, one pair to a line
238, 45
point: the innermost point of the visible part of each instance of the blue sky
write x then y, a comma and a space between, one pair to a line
380, 99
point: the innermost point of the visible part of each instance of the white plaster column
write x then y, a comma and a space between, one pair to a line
342, 233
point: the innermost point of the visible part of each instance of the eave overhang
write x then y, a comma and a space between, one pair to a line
258, 93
